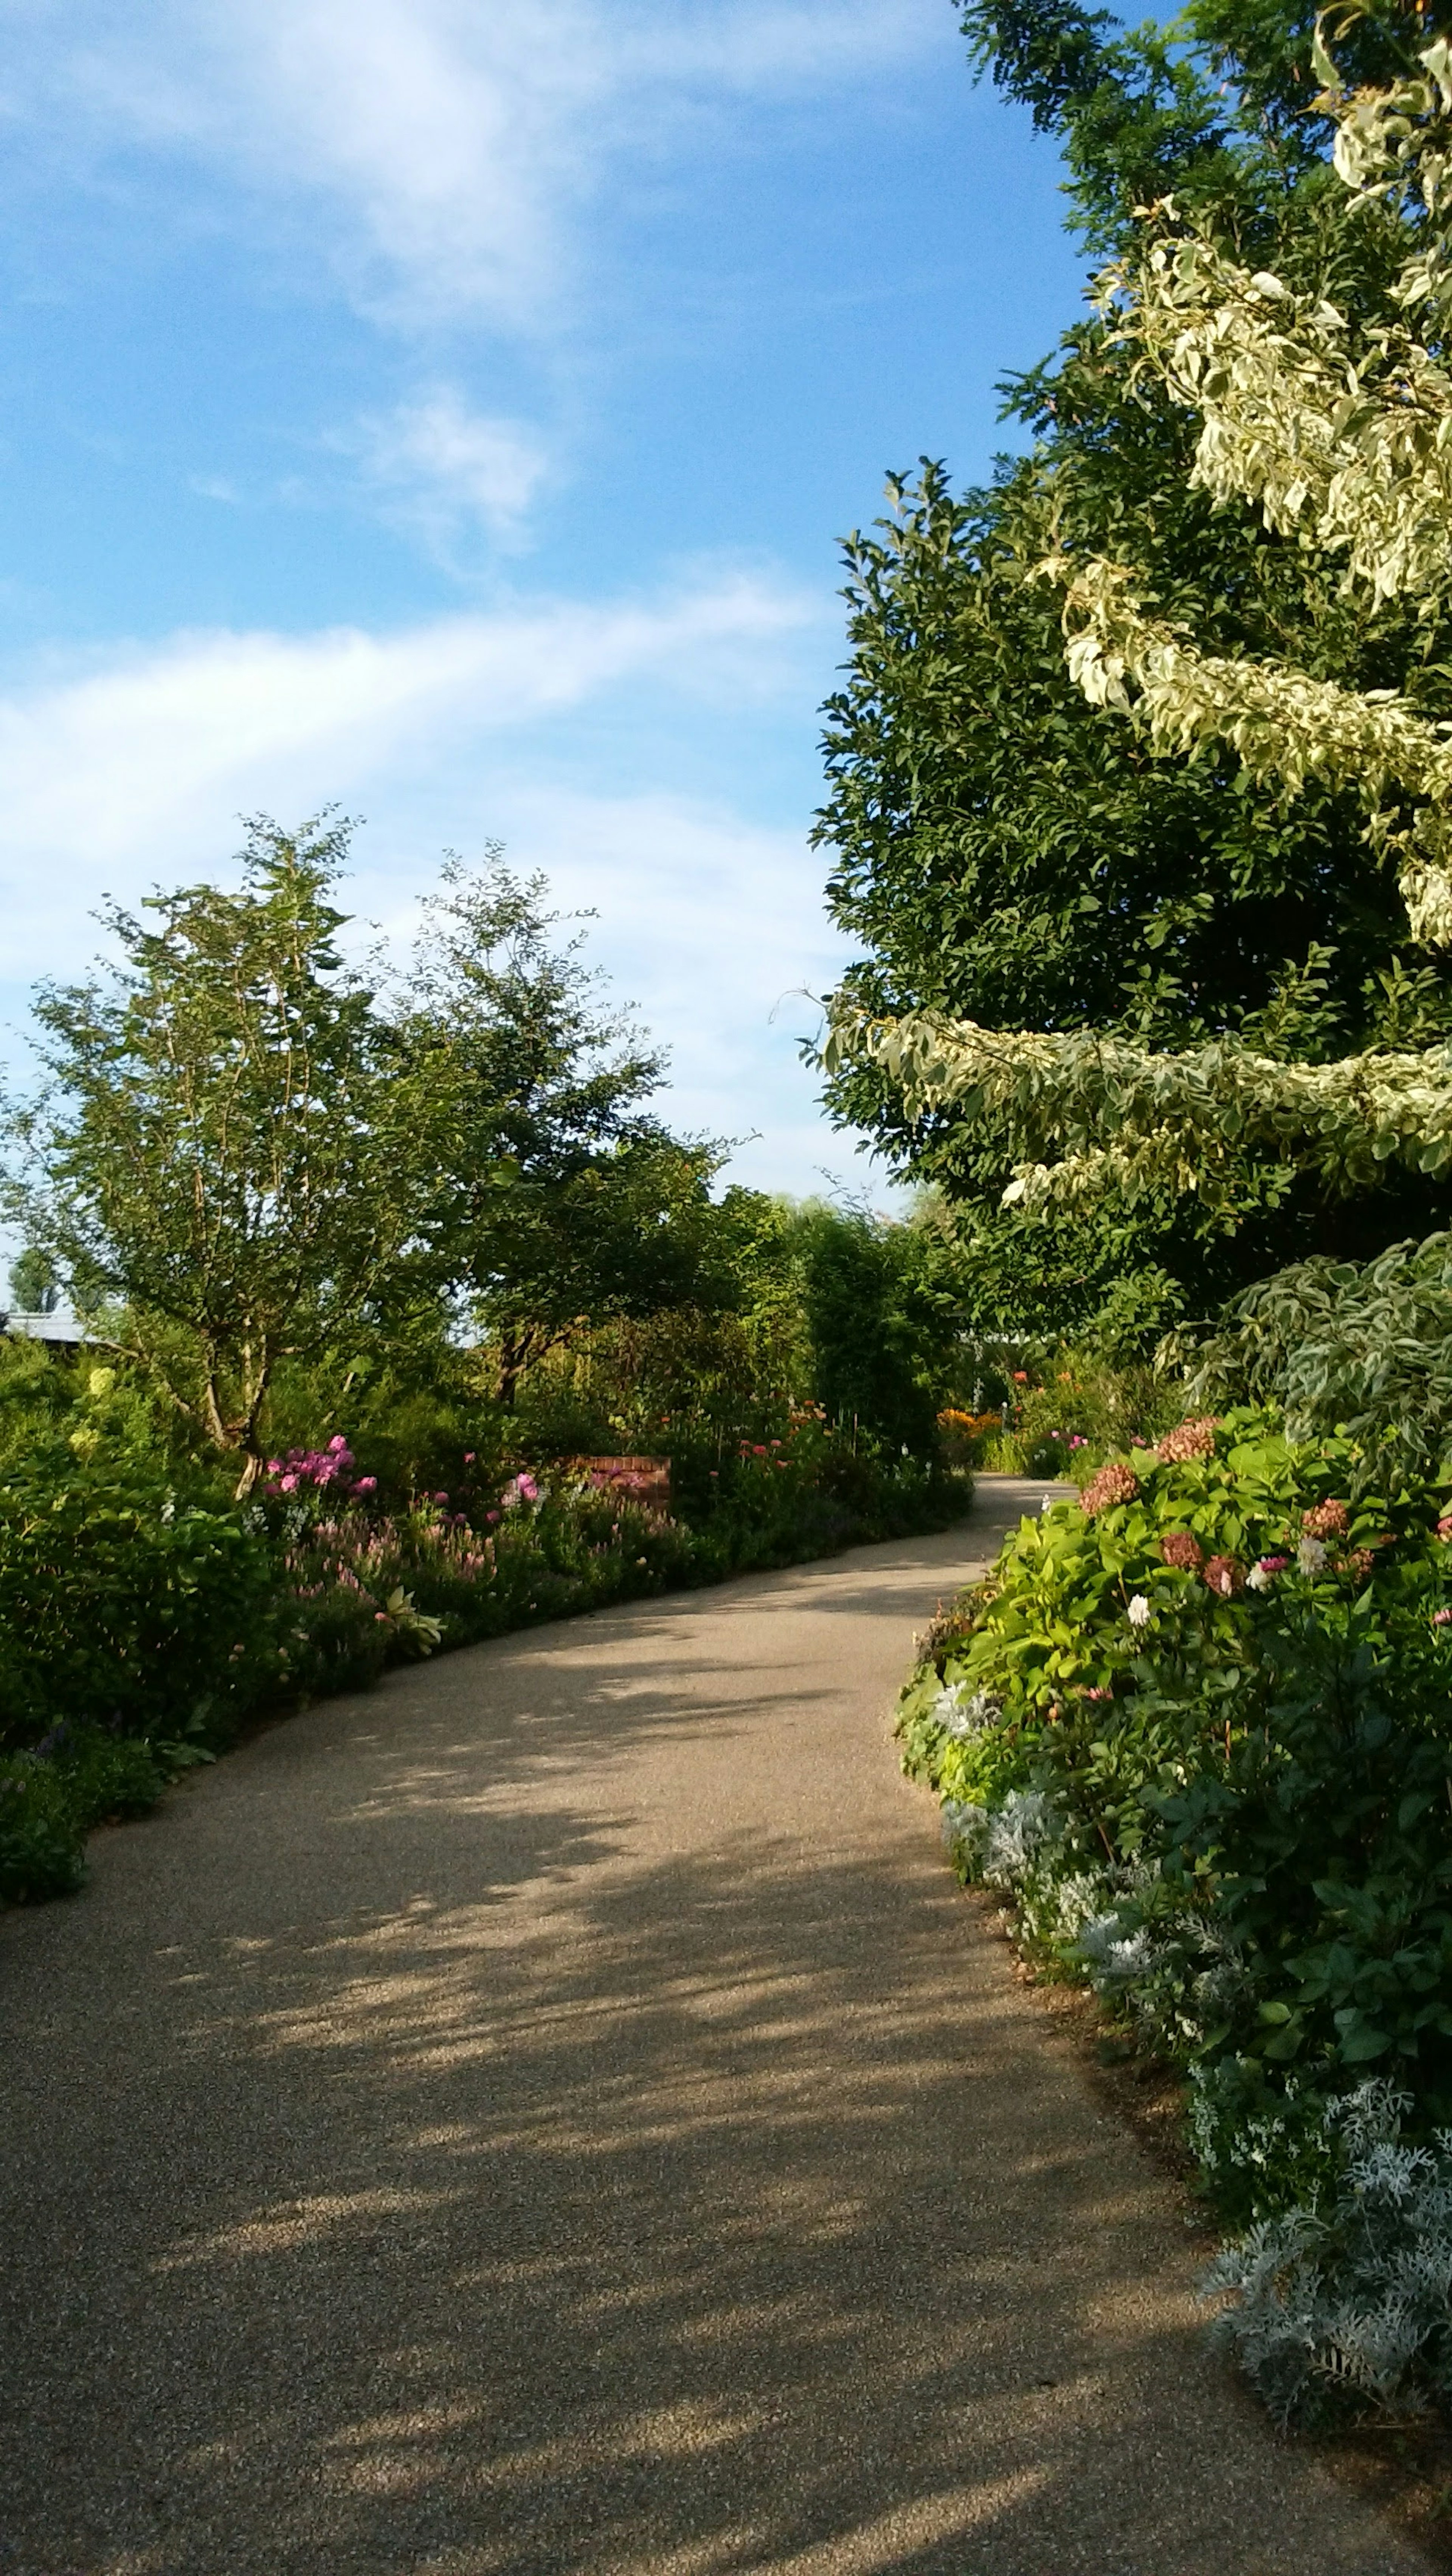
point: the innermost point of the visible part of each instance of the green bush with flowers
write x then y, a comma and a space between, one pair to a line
1064, 1415
1197, 1727
145, 1614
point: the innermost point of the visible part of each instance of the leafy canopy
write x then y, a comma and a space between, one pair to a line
1179, 949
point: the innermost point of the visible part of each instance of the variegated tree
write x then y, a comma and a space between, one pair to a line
1339, 435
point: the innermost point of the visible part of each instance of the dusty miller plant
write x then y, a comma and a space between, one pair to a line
1347, 2299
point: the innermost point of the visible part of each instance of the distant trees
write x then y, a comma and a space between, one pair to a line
563, 1200
251, 1157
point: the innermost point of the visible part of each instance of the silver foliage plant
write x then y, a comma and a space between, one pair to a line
1348, 2297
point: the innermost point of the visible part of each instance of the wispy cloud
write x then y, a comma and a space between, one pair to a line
118, 774
448, 472
450, 148
454, 733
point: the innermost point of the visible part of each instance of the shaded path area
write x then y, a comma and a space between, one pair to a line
557, 2114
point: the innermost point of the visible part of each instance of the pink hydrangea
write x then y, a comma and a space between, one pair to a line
1179, 1548
1189, 1440
1113, 1484
1326, 1520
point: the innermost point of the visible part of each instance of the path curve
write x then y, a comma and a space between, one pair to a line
557, 2115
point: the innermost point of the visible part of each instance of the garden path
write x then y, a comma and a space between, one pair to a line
558, 2115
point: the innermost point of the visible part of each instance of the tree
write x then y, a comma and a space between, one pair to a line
565, 1202
33, 1283
1335, 427
229, 1147
1007, 857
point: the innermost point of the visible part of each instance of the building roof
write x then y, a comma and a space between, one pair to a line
65, 1329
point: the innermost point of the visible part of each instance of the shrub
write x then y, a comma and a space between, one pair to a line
1363, 1349
1199, 1725
122, 1601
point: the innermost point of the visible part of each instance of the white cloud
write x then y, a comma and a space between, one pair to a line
451, 147
108, 776
442, 469
454, 733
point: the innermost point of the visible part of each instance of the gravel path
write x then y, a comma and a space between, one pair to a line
558, 2114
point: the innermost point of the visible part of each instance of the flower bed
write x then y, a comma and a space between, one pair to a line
141, 1624
1197, 1728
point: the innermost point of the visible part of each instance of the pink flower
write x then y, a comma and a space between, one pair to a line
274, 1466
438, 1498
366, 1485
1115, 1483
1180, 1548
289, 1484
1189, 1440
1224, 1576
491, 1516
337, 1444
1444, 1529
469, 1457
1441, 1618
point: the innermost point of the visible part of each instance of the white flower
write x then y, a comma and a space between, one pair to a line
1258, 1580
1311, 1555
1140, 1613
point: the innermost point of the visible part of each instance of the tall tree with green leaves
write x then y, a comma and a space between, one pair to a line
1008, 857
566, 1201
1317, 431
229, 1157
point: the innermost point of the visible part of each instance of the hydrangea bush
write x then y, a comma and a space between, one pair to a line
1197, 1726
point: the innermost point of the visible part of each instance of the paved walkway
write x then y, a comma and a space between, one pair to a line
557, 2114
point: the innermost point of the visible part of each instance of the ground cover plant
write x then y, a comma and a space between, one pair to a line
1197, 1727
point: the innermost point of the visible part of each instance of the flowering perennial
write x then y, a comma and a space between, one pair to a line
1113, 1484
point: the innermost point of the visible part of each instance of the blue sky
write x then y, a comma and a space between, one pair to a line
449, 409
